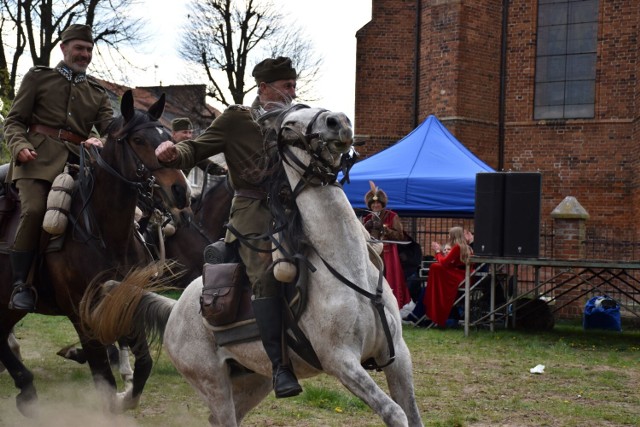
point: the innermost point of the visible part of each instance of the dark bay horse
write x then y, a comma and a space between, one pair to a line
198, 226
206, 225
99, 241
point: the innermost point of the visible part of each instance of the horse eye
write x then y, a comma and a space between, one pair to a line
137, 140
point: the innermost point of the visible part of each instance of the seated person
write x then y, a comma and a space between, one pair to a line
445, 276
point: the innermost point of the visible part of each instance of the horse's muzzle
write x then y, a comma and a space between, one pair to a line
180, 195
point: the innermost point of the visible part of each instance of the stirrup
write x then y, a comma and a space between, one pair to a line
23, 288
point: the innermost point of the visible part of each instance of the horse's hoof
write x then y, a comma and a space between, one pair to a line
125, 401
73, 353
26, 402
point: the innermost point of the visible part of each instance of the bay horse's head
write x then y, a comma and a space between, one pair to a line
131, 143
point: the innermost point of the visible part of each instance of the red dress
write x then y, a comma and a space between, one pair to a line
393, 271
443, 282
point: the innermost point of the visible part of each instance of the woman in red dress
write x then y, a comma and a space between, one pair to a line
445, 276
384, 224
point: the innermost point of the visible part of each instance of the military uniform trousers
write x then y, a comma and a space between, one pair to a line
251, 217
33, 199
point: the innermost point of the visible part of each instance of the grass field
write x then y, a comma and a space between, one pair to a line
590, 379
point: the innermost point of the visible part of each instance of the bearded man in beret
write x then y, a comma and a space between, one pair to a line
236, 134
54, 113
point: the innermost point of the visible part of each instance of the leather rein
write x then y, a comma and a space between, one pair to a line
144, 186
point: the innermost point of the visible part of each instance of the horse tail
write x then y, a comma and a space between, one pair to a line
113, 309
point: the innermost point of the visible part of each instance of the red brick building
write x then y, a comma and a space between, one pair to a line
527, 85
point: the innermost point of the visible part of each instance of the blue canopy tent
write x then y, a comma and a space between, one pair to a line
428, 173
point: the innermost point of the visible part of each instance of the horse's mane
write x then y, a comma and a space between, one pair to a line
116, 129
281, 202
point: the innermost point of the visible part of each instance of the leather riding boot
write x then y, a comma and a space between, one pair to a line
268, 312
24, 295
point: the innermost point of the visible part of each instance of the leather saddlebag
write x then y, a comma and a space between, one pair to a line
221, 292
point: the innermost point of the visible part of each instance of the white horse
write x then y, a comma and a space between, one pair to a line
343, 326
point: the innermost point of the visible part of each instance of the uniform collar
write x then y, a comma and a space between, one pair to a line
68, 73
257, 109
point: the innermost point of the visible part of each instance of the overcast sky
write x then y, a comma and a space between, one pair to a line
330, 24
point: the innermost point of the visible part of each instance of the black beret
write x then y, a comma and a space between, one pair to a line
181, 123
272, 69
77, 31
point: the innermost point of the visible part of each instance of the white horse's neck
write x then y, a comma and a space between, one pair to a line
329, 221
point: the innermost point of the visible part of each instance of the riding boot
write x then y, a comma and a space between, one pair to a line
268, 312
24, 295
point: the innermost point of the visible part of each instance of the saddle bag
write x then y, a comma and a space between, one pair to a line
221, 292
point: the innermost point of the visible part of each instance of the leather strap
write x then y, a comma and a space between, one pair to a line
251, 194
65, 135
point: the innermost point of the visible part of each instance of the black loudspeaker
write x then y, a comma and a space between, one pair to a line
489, 215
522, 204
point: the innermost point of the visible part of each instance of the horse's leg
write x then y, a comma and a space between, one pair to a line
22, 378
400, 380
248, 391
346, 367
15, 348
130, 397
197, 357
98, 360
124, 365
210, 378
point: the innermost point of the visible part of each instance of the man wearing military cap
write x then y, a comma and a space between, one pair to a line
181, 130
236, 134
54, 112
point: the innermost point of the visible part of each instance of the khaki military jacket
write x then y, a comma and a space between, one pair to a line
48, 97
236, 134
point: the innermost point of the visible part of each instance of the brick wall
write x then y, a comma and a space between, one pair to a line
385, 77
593, 160
597, 160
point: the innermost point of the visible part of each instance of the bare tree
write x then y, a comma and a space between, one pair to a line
228, 37
36, 25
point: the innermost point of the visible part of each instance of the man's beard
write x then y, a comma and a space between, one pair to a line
78, 68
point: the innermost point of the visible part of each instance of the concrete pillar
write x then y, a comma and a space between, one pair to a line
569, 234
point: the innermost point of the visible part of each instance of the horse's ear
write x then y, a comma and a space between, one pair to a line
155, 111
126, 106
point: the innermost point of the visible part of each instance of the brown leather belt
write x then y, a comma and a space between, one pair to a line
251, 194
57, 133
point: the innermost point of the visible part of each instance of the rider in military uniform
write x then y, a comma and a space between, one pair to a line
236, 134
54, 111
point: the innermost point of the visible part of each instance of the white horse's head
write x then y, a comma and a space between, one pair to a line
324, 134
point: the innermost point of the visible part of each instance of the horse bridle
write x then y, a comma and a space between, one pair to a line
144, 186
319, 171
